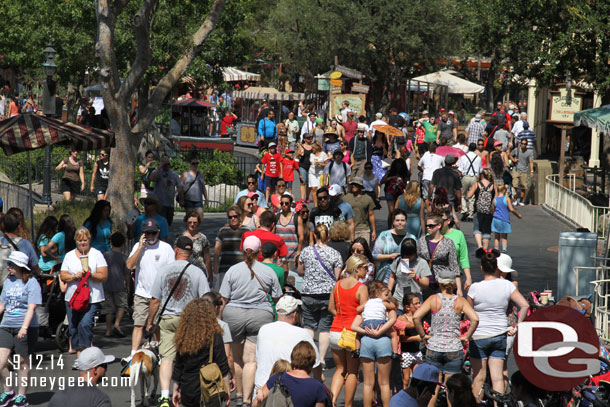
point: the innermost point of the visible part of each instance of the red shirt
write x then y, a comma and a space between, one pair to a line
350, 129
272, 164
266, 236
227, 121
288, 167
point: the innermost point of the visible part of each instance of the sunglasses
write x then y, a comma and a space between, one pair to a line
233, 216
284, 203
251, 182
250, 205
150, 233
192, 222
104, 155
432, 225
325, 197
358, 251
304, 212
10, 264
281, 185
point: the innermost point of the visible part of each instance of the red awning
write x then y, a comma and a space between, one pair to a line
29, 131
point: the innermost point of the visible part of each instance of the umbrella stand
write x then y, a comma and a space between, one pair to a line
31, 195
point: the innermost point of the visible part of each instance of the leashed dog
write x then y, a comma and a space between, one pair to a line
144, 369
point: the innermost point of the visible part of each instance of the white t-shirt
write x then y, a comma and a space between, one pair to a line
73, 265
491, 298
165, 186
226, 331
152, 260
374, 309
276, 341
430, 162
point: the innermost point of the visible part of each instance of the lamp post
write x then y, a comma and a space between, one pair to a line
48, 100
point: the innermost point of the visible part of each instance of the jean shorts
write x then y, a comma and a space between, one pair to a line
494, 348
446, 362
316, 315
375, 348
304, 174
373, 323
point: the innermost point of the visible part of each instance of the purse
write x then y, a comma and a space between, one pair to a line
347, 340
80, 299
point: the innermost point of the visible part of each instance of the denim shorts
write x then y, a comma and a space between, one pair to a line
373, 323
316, 315
446, 362
304, 174
494, 348
375, 348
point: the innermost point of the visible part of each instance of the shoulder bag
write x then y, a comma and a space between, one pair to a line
213, 386
322, 263
347, 340
81, 297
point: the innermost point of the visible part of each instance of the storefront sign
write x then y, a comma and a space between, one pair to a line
562, 112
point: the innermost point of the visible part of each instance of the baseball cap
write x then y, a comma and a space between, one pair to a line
19, 259
497, 143
425, 113
526, 125
253, 243
252, 194
338, 153
287, 305
184, 243
449, 159
92, 357
451, 112
477, 117
446, 280
505, 264
288, 151
272, 145
378, 115
335, 189
426, 373
151, 199
441, 110
150, 225
361, 127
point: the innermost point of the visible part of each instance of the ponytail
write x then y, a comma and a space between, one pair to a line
251, 257
488, 257
321, 233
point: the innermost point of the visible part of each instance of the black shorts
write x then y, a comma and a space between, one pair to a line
24, 346
67, 185
100, 189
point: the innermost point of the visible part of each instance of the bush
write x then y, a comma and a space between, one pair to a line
217, 168
78, 210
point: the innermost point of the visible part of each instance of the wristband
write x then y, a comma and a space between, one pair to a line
417, 279
24, 327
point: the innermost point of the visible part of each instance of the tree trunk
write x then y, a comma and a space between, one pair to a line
73, 97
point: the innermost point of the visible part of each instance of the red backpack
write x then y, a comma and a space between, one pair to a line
80, 299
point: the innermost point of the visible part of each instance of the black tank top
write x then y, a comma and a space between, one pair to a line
411, 347
103, 170
304, 160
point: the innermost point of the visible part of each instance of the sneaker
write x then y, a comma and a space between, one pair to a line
164, 402
515, 202
521, 204
21, 401
75, 365
6, 398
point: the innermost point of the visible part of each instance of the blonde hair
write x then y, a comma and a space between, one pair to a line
281, 366
488, 175
412, 192
237, 210
501, 189
339, 231
353, 262
82, 232
317, 145
321, 233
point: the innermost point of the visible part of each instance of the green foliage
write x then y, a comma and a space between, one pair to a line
217, 168
78, 210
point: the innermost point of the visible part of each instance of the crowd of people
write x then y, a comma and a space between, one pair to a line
399, 305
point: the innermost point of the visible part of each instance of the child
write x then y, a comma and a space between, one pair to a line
374, 314
115, 288
281, 366
272, 168
409, 339
502, 208
289, 164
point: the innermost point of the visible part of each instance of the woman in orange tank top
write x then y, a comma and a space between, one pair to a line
346, 296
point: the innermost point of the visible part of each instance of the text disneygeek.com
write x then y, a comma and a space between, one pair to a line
60, 383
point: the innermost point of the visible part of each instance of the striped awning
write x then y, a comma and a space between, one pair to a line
258, 93
29, 131
235, 75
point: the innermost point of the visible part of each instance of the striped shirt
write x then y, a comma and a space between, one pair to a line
230, 252
288, 233
528, 135
475, 131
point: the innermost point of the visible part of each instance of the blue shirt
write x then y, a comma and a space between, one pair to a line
266, 128
403, 399
528, 135
347, 212
24, 246
304, 392
163, 227
60, 241
101, 241
45, 263
16, 296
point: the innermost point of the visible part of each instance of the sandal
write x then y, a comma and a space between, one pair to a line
239, 401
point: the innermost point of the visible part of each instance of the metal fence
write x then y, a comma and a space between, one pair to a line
568, 203
14, 196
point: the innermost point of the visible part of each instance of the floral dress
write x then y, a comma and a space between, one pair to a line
200, 245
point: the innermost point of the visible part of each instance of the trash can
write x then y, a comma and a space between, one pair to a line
576, 249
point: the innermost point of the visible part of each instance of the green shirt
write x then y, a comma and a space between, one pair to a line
430, 131
279, 271
457, 236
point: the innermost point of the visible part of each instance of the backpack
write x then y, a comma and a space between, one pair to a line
213, 386
396, 186
279, 395
420, 134
5, 252
484, 199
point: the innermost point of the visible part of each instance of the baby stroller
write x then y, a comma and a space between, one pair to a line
52, 313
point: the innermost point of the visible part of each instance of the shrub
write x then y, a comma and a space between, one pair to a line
78, 210
217, 168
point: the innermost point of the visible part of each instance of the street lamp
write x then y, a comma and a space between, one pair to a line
48, 100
